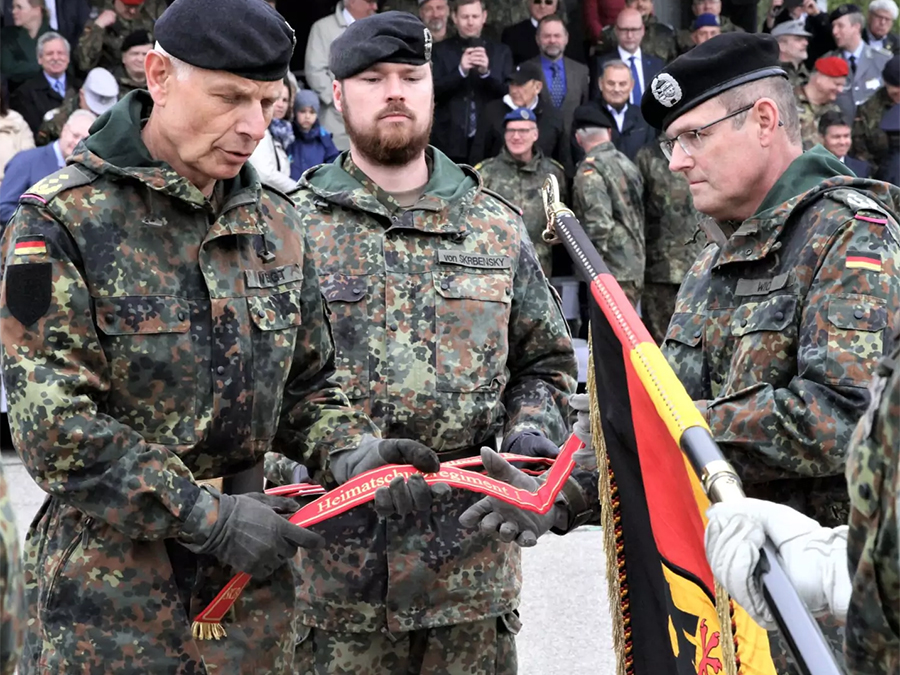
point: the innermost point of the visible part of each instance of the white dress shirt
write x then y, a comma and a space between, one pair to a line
626, 57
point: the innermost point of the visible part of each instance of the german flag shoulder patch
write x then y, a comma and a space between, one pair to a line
30, 245
865, 261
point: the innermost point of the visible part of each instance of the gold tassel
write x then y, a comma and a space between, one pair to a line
729, 646
204, 630
607, 518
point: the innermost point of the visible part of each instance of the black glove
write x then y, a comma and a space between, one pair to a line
250, 535
401, 497
503, 520
530, 444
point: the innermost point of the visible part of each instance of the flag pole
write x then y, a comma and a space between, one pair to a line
718, 478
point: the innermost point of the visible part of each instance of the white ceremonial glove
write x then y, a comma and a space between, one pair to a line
814, 557
586, 457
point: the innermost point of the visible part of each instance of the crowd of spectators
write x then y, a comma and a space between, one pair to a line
492, 60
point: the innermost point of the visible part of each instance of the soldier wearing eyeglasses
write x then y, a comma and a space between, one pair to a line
782, 318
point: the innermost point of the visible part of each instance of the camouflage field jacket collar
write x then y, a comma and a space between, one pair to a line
115, 147
810, 175
531, 166
451, 188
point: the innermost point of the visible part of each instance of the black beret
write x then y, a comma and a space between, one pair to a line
136, 38
844, 10
591, 115
891, 72
244, 37
721, 63
389, 37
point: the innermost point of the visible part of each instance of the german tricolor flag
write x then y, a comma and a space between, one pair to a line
864, 261
668, 615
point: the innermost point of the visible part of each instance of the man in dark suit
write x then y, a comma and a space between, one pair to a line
42, 93
30, 166
525, 86
878, 33
631, 132
520, 37
836, 137
644, 67
469, 71
566, 82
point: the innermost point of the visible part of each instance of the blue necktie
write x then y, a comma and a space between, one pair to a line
60, 89
557, 92
636, 91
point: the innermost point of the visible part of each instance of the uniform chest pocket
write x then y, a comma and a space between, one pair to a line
276, 318
773, 314
763, 347
472, 327
856, 326
152, 365
346, 295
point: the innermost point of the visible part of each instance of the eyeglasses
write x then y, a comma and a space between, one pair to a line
629, 30
518, 132
544, 2
691, 141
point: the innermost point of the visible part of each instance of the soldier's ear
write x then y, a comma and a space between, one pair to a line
160, 73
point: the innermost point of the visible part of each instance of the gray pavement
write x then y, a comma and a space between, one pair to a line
565, 617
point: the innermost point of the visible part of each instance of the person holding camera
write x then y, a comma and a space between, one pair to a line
469, 71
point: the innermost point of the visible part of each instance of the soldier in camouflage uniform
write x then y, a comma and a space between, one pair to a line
448, 333
818, 96
98, 94
518, 174
100, 43
607, 197
785, 313
672, 235
870, 143
683, 38
817, 558
793, 43
162, 328
11, 600
658, 40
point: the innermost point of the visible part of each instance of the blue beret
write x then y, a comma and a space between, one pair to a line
719, 64
389, 37
519, 115
244, 37
705, 20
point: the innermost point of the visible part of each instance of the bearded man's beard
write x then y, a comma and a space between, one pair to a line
392, 143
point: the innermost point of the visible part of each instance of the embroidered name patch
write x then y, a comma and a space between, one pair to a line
481, 261
761, 286
274, 277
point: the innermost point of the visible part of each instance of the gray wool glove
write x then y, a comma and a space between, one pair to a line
252, 533
401, 497
505, 521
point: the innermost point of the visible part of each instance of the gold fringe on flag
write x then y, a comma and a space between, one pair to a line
617, 584
724, 609
204, 630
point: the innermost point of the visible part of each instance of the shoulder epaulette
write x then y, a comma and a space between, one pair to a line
47, 188
861, 204
272, 188
502, 199
557, 164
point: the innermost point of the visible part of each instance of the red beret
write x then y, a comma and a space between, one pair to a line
832, 66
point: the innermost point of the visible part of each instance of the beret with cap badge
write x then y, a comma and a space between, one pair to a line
843, 10
832, 66
247, 38
520, 115
719, 64
389, 37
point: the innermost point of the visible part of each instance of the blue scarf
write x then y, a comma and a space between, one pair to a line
282, 132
